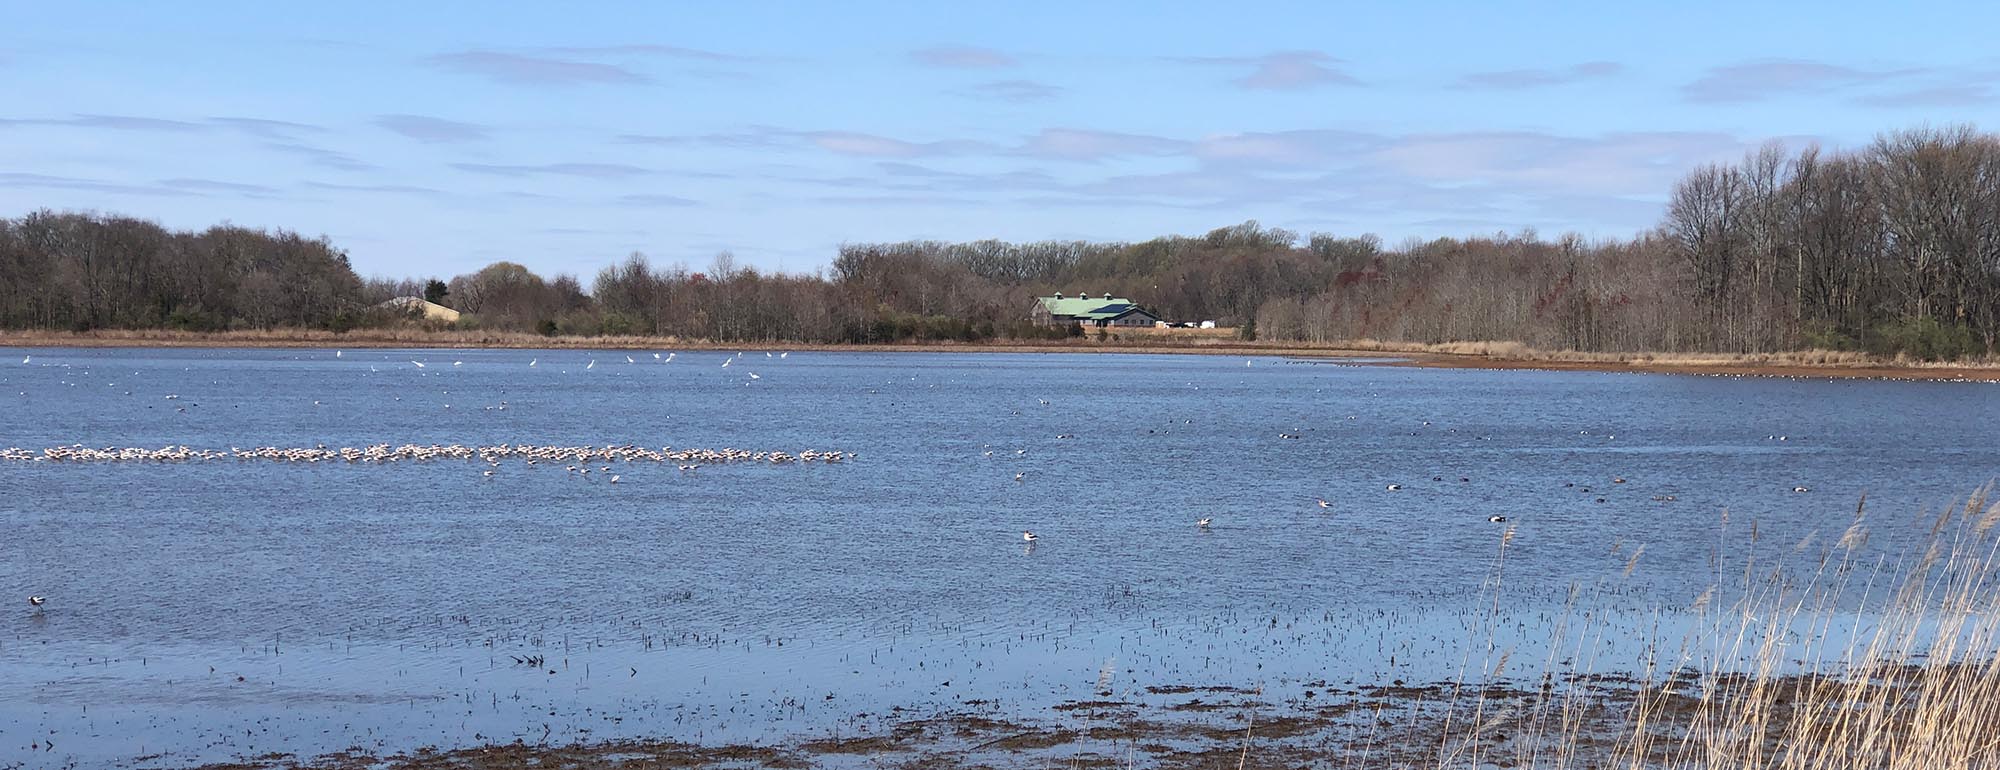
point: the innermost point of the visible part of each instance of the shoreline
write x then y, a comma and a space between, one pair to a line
1489, 356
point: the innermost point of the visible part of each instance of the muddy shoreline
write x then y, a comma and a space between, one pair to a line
1409, 356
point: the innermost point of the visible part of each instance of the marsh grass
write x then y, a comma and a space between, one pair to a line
1841, 658
1516, 351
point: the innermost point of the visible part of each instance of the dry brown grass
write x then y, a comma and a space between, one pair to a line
1855, 660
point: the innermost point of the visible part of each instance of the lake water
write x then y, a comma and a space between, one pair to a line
203, 611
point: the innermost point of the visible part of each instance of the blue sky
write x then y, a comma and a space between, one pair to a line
433, 138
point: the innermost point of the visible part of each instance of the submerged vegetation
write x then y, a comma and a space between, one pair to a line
1893, 249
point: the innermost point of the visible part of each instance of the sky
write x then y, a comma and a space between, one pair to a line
430, 139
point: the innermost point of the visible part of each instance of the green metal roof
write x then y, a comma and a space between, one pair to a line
1103, 308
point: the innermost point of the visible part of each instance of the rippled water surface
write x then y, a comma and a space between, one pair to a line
201, 611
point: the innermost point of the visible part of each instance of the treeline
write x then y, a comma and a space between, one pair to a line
1892, 248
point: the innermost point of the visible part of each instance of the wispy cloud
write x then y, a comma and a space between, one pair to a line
45, 181
1012, 91
320, 156
654, 200
216, 186
1284, 70
645, 49
1537, 78
1086, 145
1303, 148
424, 128
589, 170
962, 57
258, 127
114, 122
526, 70
1936, 96
1770, 78
374, 188
267, 129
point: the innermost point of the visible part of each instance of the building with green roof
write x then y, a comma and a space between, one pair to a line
1082, 308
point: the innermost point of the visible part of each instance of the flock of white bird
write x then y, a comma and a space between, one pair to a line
493, 455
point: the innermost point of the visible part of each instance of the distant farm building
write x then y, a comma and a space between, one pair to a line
1102, 311
414, 306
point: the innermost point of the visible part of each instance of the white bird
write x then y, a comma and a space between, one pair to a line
786, 353
1394, 487
1019, 476
753, 375
656, 356
1246, 363
1028, 536
670, 356
591, 365
27, 359
725, 362
767, 354
1322, 502
1202, 523
487, 474
458, 363
1496, 518
419, 364
628, 359
1800, 490
35, 601
336, 354
531, 362
614, 479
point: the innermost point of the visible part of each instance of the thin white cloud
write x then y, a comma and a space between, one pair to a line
962, 57
1012, 91
1537, 78
1284, 70
1771, 78
425, 128
588, 170
527, 70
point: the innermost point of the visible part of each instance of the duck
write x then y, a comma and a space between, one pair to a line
1394, 487
1496, 518
1202, 523
1028, 536
36, 601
